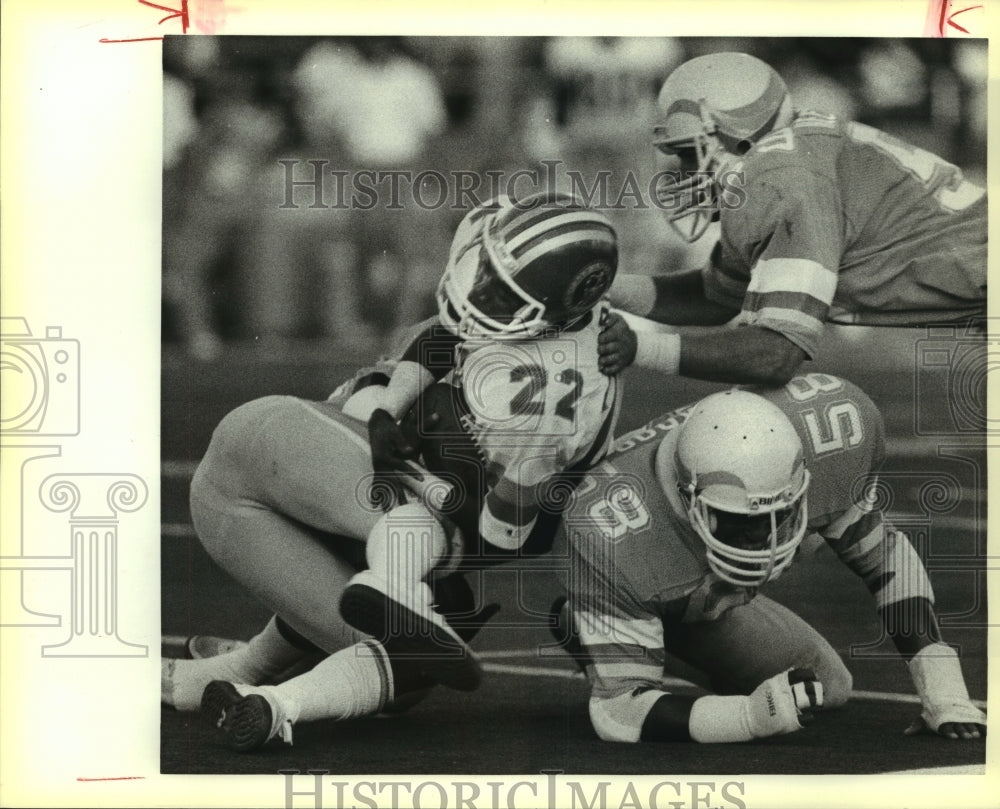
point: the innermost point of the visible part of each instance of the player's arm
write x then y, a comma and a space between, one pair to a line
428, 358
746, 355
886, 561
624, 659
776, 265
677, 298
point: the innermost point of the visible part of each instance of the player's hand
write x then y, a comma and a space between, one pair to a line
960, 722
784, 703
616, 345
392, 445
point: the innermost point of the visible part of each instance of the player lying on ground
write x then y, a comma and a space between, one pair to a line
672, 535
819, 220
281, 498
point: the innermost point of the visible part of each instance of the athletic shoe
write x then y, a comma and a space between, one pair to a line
245, 717
410, 629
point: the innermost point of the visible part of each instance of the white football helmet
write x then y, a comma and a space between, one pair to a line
739, 467
714, 109
519, 268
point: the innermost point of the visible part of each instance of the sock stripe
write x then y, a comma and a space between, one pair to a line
385, 672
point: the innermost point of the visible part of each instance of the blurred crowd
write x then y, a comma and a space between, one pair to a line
268, 235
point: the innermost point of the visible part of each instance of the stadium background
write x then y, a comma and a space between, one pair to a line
260, 298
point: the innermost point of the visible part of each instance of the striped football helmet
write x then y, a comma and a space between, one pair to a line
739, 466
714, 109
518, 268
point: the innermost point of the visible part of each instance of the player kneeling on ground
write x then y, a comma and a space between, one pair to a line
671, 536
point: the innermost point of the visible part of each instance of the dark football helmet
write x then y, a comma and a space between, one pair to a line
519, 268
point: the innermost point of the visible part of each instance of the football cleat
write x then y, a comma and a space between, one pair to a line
245, 718
410, 629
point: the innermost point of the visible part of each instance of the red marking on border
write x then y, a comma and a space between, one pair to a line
174, 14
951, 19
939, 19
116, 778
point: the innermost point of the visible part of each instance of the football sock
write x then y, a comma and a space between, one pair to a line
267, 655
353, 682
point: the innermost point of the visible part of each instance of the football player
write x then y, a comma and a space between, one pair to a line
522, 300
671, 537
819, 220
289, 479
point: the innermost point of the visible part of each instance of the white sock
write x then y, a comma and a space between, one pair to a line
353, 682
267, 655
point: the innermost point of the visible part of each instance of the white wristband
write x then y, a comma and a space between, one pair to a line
658, 351
502, 534
633, 293
937, 675
716, 719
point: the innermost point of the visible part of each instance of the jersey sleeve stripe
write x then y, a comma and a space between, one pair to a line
800, 328
515, 508
793, 275
792, 301
598, 628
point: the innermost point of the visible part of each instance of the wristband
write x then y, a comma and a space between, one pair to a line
658, 351
633, 293
717, 719
503, 534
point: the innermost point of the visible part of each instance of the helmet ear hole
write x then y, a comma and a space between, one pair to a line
743, 147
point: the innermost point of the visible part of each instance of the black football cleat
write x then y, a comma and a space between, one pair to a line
411, 631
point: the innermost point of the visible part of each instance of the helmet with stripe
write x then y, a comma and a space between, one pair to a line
713, 109
739, 466
519, 268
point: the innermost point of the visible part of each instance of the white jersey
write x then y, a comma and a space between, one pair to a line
539, 407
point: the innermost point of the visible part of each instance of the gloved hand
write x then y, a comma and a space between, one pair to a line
392, 445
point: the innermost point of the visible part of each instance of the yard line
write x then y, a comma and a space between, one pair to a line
178, 642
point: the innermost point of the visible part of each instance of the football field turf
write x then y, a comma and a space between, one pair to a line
530, 714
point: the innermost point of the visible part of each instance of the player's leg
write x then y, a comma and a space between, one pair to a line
754, 642
390, 600
265, 462
302, 459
